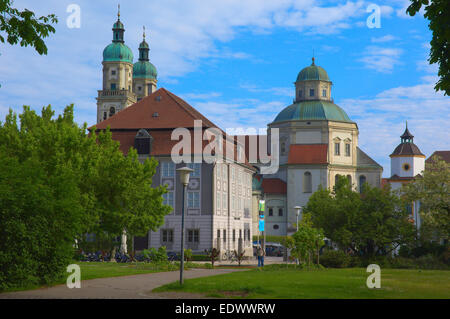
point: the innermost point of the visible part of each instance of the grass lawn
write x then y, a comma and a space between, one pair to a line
93, 270
276, 282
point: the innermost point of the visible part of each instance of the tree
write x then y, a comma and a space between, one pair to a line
438, 13
25, 27
432, 190
372, 223
307, 239
56, 184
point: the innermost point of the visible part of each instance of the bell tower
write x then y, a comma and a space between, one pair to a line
117, 91
144, 72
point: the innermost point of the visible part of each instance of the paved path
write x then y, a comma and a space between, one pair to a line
127, 287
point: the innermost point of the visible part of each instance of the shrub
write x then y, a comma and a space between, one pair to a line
155, 255
188, 254
334, 259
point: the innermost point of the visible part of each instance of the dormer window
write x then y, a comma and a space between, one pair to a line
311, 92
324, 93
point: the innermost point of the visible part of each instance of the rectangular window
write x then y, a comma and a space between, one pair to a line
311, 92
224, 235
113, 72
168, 169
168, 198
280, 212
225, 201
196, 167
347, 149
270, 212
337, 150
234, 235
218, 233
167, 235
324, 93
193, 199
218, 198
219, 170
113, 86
299, 93
193, 235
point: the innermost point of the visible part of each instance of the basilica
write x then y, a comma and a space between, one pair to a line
317, 142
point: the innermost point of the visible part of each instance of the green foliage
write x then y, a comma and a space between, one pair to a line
438, 13
372, 223
432, 190
307, 240
25, 27
187, 254
334, 259
155, 255
57, 184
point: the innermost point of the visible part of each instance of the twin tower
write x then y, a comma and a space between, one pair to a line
124, 83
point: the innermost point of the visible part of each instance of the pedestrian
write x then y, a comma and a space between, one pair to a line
260, 253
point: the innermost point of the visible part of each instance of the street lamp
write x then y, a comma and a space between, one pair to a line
297, 212
184, 178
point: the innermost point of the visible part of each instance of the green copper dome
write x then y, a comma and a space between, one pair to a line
313, 72
313, 110
144, 70
117, 52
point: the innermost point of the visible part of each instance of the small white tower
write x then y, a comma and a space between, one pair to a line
407, 163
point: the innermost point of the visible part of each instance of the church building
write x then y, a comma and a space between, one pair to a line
317, 142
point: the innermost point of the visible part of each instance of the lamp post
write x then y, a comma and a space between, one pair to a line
184, 178
297, 212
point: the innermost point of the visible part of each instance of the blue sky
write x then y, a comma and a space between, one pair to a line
236, 61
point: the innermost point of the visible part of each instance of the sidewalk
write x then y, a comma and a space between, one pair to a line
127, 287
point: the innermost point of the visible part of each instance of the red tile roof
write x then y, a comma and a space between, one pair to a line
445, 155
274, 186
171, 112
308, 154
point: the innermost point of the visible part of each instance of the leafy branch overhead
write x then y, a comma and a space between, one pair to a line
24, 27
438, 13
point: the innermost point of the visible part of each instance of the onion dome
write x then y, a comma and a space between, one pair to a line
143, 69
117, 51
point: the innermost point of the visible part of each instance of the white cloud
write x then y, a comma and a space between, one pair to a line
381, 59
381, 120
385, 38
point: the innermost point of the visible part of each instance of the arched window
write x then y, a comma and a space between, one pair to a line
362, 180
307, 182
336, 178
112, 111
